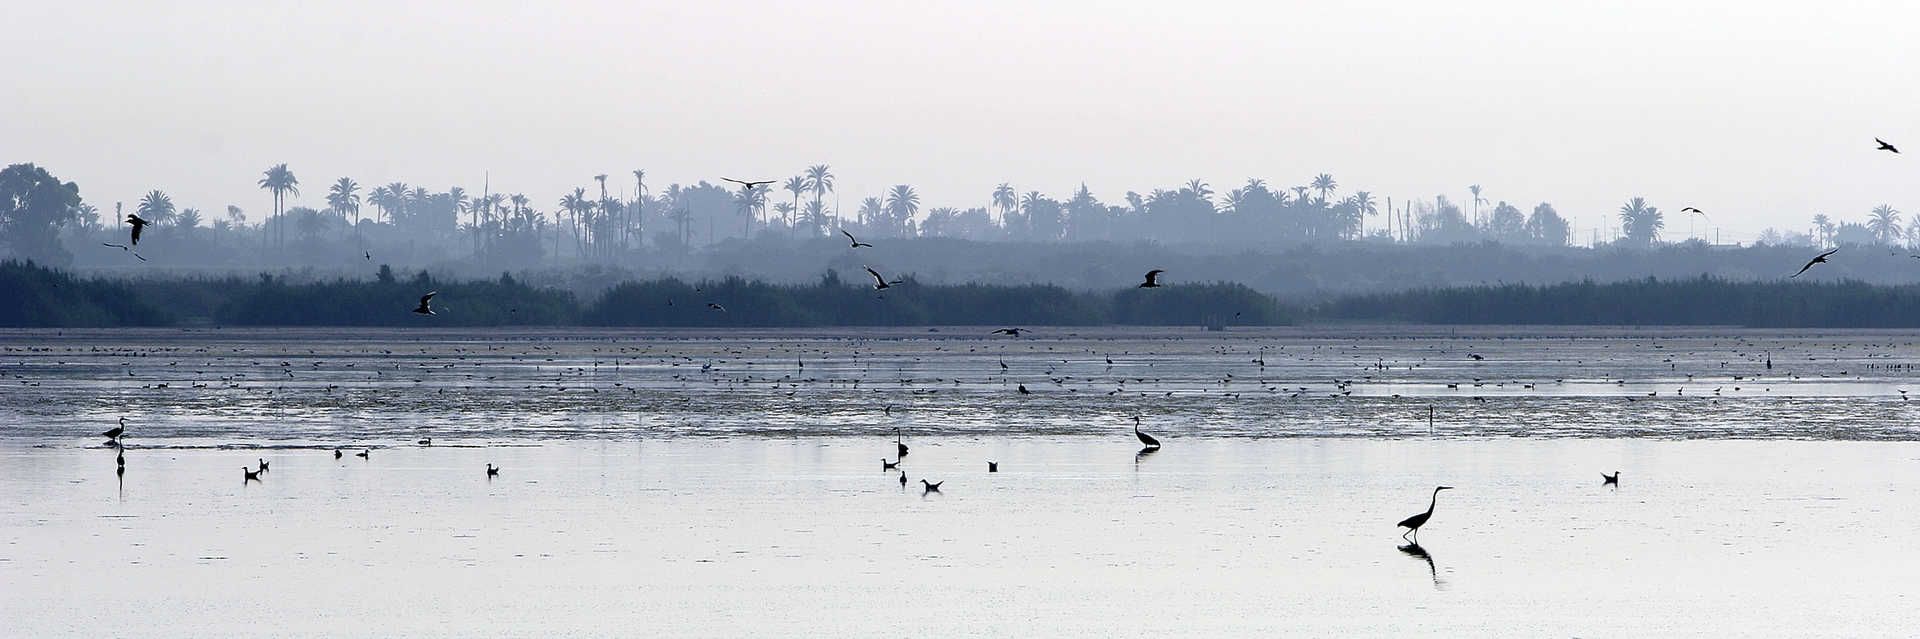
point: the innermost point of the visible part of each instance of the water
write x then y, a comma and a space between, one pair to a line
729, 501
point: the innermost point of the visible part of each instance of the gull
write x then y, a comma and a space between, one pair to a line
745, 184
1822, 259
856, 243
880, 283
716, 307
426, 307
1009, 331
1153, 279
124, 247
1883, 147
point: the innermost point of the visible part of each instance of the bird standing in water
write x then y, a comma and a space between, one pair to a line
1610, 480
1145, 439
491, 471
1413, 524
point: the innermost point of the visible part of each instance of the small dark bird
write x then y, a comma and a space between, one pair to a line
744, 184
880, 283
903, 481
369, 255
1009, 331
716, 307
138, 225
1475, 356
115, 433
889, 465
932, 487
364, 454
426, 303
1023, 390
1153, 279
1413, 524
249, 474
491, 471
426, 442
993, 467
1145, 439
1883, 147
855, 243
336, 453
263, 465
1610, 480
1822, 259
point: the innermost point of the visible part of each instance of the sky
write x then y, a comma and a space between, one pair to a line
1760, 113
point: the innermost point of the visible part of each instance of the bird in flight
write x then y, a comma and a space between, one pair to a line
716, 307
138, 225
1008, 331
426, 307
1822, 259
1884, 146
880, 283
856, 243
369, 255
1153, 279
744, 184
1695, 211
124, 247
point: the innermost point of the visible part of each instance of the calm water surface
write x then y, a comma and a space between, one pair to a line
690, 484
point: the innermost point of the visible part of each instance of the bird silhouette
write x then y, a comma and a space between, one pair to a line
1146, 440
369, 255
263, 464
124, 247
1022, 389
249, 474
491, 471
1883, 147
426, 303
931, 487
903, 480
426, 442
745, 184
1413, 524
993, 467
1153, 279
1610, 480
364, 454
854, 243
1009, 331
716, 307
889, 465
138, 225
899, 444
336, 453
880, 283
1821, 259
115, 432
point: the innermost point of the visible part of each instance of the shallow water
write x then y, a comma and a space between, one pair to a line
694, 484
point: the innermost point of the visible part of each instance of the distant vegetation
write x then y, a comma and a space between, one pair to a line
1697, 301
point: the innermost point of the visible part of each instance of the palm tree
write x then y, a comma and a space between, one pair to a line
1005, 199
1475, 190
156, 207
902, 204
1885, 223
820, 181
1364, 204
1325, 185
795, 185
279, 181
1641, 223
344, 198
574, 203
1822, 228
1200, 188
187, 219
638, 224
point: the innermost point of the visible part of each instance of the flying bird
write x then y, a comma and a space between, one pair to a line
716, 307
426, 307
856, 243
744, 184
1883, 147
1822, 259
369, 255
1153, 279
138, 225
263, 465
880, 283
1695, 211
1413, 524
1008, 331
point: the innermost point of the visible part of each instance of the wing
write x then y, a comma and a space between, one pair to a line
850, 237
1803, 269
1154, 274
429, 296
876, 275
1824, 255
732, 180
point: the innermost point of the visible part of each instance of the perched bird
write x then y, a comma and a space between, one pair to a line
1610, 480
993, 467
1009, 331
263, 465
880, 283
138, 225
932, 487
426, 303
1476, 357
889, 465
115, 432
249, 475
855, 243
1413, 524
1145, 439
1153, 279
491, 471
1821, 259
1883, 147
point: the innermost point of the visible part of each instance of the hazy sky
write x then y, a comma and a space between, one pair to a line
1762, 113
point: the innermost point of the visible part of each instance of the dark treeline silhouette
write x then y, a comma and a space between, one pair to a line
50, 298
1697, 301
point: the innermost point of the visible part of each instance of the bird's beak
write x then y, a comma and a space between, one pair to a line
1445, 488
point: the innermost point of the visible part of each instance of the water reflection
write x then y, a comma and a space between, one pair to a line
1417, 552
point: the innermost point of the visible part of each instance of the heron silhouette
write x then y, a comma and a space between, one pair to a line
115, 432
1146, 440
1610, 480
1413, 524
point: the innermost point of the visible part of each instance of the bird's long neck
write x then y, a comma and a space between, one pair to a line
1433, 502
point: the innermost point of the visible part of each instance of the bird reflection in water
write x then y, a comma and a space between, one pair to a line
1415, 551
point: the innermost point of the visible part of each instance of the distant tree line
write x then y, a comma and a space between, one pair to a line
1649, 302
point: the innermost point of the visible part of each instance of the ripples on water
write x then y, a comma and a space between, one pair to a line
244, 388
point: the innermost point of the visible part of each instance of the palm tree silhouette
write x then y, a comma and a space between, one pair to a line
1005, 200
1641, 223
344, 198
1325, 185
1822, 228
1363, 203
639, 221
156, 207
1475, 190
279, 181
1885, 223
795, 185
902, 204
820, 181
